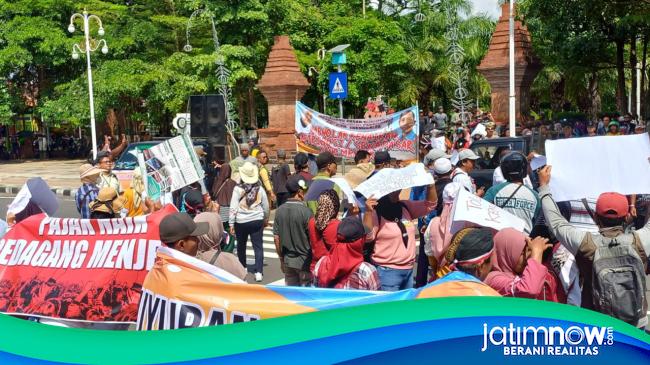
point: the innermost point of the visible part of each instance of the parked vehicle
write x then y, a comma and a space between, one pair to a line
489, 150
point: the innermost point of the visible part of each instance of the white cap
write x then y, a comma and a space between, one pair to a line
442, 166
467, 154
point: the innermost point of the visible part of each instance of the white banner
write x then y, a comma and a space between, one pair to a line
474, 209
346, 189
385, 181
587, 167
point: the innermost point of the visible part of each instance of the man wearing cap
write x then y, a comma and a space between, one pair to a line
88, 190
180, 232
615, 244
107, 178
466, 163
513, 195
326, 169
291, 234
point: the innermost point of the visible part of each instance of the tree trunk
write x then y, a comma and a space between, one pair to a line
621, 102
594, 96
633, 61
557, 94
251, 108
241, 111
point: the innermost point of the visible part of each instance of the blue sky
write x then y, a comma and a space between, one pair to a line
490, 7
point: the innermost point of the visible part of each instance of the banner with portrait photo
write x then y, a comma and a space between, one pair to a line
397, 133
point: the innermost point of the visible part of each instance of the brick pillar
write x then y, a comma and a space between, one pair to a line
282, 84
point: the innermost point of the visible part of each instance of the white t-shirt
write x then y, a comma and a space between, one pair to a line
464, 180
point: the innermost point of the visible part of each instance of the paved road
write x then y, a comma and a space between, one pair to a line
272, 272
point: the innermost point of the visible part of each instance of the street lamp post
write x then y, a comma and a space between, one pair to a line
89, 45
511, 41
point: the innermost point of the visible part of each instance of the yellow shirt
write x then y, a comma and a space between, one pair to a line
266, 180
129, 203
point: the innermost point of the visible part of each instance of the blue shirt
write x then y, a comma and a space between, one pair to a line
85, 194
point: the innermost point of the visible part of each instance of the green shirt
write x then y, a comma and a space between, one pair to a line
291, 224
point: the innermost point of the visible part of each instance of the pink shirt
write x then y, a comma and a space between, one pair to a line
389, 246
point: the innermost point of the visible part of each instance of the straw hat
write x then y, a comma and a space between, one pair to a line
249, 173
87, 170
107, 200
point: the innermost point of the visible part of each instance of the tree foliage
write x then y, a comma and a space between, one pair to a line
146, 77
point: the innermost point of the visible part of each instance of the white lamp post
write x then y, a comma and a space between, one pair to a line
89, 45
511, 42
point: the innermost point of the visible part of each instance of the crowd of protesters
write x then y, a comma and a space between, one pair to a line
324, 240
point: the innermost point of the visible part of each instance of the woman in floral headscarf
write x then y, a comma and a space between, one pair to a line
323, 226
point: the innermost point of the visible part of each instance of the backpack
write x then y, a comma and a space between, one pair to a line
618, 278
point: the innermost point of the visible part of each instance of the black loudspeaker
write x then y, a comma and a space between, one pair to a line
208, 118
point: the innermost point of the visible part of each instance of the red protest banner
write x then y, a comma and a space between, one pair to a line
79, 269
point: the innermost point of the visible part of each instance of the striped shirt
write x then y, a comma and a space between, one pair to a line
85, 194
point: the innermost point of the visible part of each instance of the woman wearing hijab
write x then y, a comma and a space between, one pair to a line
210, 246
343, 267
437, 237
249, 214
393, 230
322, 227
222, 192
518, 270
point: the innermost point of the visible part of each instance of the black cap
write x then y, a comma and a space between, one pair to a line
351, 229
323, 159
194, 199
300, 159
100, 155
382, 157
177, 226
296, 182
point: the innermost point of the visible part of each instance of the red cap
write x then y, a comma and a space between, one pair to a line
612, 205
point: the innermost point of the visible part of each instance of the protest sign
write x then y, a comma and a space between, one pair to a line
397, 133
473, 209
587, 167
385, 181
181, 291
346, 189
440, 143
78, 269
172, 165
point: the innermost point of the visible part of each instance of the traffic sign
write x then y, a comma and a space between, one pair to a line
338, 85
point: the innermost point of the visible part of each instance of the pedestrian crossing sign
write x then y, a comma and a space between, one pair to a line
338, 85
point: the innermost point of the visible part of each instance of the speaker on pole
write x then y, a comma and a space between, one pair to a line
208, 120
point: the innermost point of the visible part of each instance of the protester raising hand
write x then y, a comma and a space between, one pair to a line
536, 246
545, 175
